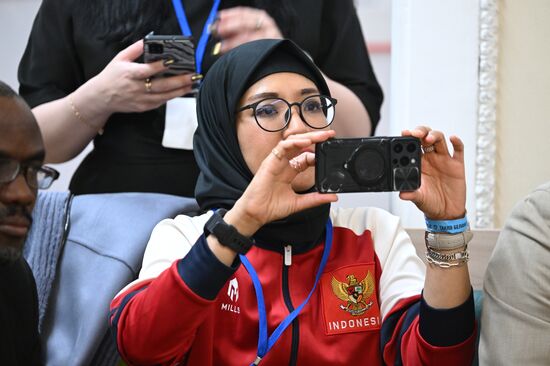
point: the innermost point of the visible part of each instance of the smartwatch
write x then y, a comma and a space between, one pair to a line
226, 234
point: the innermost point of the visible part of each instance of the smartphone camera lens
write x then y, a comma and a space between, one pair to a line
367, 166
404, 161
411, 147
398, 148
156, 48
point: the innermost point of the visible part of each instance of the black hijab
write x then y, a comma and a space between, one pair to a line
224, 173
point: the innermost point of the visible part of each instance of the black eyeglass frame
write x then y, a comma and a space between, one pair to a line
254, 105
24, 168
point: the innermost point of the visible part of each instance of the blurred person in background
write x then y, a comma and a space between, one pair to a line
82, 73
515, 315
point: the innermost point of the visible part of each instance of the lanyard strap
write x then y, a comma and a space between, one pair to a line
265, 343
186, 29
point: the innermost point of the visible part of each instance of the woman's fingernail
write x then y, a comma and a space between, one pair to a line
196, 77
217, 48
169, 61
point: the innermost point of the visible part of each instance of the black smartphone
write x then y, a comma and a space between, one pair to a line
370, 164
179, 51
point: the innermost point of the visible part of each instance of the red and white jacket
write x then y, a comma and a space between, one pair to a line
188, 308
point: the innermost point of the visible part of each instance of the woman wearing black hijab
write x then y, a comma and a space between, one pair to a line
278, 278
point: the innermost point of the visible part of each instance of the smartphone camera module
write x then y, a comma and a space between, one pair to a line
176, 51
156, 48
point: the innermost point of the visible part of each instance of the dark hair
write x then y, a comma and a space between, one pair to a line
7, 91
126, 21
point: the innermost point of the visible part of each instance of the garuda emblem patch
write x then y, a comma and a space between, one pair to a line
356, 294
349, 299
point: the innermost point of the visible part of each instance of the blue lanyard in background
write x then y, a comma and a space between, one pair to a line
265, 343
186, 29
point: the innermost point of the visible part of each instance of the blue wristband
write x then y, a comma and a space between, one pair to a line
447, 226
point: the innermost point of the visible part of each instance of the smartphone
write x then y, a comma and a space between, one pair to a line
180, 49
370, 164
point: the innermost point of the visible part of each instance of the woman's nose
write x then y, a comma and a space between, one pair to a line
296, 124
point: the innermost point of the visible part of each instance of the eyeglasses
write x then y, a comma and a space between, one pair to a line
37, 176
273, 114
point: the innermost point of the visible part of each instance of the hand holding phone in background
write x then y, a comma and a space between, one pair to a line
126, 85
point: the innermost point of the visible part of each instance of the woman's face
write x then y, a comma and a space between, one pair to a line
256, 143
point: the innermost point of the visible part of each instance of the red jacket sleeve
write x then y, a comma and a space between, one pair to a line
150, 326
452, 333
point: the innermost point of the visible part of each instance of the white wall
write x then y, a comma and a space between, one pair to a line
375, 17
434, 78
16, 18
430, 77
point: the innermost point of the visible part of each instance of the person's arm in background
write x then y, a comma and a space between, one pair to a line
515, 317
352, 119
70, 110
344, 59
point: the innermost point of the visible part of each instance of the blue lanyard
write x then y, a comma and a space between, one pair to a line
186, 29
265, 343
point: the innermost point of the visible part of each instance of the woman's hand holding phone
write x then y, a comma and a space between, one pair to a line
127, 86
442, 195
270, 195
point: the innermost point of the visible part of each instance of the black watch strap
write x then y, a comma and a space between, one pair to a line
226, 234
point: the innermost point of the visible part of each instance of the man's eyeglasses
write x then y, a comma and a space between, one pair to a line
273, 114
37, 176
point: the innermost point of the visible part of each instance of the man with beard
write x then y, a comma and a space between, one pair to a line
21, 175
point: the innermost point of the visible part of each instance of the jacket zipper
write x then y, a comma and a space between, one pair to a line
295, 326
